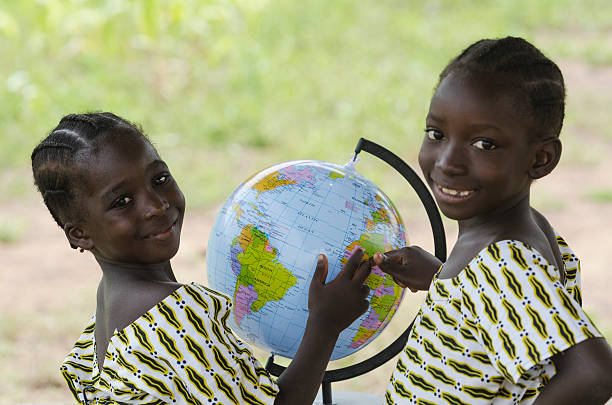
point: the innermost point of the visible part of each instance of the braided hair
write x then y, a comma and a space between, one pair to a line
535, 78
55, 161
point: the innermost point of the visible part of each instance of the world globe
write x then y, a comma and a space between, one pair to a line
265, 240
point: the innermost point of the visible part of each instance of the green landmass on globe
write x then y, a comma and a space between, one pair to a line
260, 269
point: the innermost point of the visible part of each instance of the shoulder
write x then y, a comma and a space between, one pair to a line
525, 252
193, 305
125, 304
515, 255
506, 253
203, 294
146, 298
508, 265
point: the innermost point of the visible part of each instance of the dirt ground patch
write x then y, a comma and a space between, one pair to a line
47, 290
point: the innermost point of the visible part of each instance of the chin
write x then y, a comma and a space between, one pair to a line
454, 214
170, 254
161, 255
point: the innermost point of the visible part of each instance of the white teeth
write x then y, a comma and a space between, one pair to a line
449, 191
455, 192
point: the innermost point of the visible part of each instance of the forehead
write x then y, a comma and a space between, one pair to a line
120, 148
487, 97
115, 157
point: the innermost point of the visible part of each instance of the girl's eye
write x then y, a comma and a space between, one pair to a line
162, 179
484, 144
433, 134
122, 202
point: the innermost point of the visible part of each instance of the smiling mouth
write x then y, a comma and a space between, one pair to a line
164, 234
453, 193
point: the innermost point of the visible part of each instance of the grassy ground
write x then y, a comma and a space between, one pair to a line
225, 88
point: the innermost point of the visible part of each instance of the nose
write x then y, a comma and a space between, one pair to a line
155, 205
451, 160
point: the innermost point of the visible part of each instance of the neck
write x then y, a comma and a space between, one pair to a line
135, 272
500, 221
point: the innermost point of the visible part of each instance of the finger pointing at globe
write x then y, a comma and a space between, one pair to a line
352, 263
411, 266
393, 266
363, 271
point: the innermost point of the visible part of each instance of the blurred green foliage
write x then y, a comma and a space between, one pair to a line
11, 230
225, 88
603, 195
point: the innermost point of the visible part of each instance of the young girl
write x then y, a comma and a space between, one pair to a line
502, 322
152, 339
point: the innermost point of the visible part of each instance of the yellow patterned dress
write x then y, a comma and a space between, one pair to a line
180, 351
487, 335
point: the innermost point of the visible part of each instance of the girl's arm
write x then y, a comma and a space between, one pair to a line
332, 308
584, 375
410, 266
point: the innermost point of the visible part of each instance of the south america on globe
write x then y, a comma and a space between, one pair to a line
264, 244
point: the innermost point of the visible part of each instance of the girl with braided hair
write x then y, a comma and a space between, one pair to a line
153, 339
502, 321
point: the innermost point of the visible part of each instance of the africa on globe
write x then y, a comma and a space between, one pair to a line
264, 244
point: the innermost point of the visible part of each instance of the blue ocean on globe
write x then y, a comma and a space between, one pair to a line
264, 244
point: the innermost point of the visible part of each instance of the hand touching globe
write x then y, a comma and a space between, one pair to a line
263, 250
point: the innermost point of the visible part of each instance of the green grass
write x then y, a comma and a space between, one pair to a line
231, 87
603, 195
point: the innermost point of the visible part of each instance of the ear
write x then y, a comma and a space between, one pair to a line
545, 158
77, 236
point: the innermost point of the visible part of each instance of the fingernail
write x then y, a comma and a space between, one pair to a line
319, 258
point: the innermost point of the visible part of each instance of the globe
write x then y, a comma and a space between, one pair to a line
265, 240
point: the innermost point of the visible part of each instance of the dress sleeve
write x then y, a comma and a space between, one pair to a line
183, 351
77, 368
523, 313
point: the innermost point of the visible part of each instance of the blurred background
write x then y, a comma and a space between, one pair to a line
226, 88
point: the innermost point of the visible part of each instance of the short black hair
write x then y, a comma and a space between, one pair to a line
55, 160
537, 79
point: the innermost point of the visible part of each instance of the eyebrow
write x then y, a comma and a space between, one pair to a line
108, 194
474, 127
156, 162
433, 117
480, 127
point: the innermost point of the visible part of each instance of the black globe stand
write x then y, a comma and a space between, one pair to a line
440, 251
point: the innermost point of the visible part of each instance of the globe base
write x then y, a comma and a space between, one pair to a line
350, 398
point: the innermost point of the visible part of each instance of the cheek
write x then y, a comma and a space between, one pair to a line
425, 159
506, 168
505, 178
179, 199
115, 230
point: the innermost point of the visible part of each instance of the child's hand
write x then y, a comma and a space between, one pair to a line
335, 305
332, 308
411, 267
